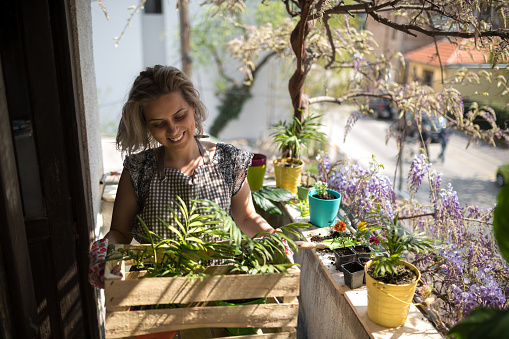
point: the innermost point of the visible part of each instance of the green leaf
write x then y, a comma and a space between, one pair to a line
501, 222
183, 208
276, 194
482, 323
265, 204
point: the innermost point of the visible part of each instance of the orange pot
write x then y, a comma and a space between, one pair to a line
158, 335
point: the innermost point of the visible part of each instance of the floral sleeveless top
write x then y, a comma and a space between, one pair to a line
218, 180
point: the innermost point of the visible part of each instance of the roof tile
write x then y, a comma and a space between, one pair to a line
450, 54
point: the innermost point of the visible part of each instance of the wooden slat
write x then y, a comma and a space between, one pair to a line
122, 324
150, 291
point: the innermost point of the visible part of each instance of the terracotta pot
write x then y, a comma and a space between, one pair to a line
388, 304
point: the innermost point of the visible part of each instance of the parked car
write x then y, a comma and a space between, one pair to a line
412, 131
382, 108
502, 175
440, 123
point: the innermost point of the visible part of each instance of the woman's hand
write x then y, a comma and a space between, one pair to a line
288, 249
98, 254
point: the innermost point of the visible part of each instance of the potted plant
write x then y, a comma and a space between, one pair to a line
256, 172
204, 233
362, 236
292, 139
342, 245
323, 205
305, 186
391, 280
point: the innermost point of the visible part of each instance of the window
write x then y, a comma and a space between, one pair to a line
153, 7
427, 77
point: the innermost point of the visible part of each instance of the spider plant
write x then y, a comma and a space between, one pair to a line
294, 138
395, 242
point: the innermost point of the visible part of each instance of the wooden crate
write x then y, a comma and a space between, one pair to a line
276, 319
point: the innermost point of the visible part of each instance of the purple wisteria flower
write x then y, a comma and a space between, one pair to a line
418, 169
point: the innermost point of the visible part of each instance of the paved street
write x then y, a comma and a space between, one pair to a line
470, 171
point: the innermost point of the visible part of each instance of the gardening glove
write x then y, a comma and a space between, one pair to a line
96, 267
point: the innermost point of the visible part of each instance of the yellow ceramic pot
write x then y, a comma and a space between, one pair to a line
388, 304
287, 177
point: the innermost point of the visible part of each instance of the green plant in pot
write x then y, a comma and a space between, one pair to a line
206, 233
306, 185
390, 280
292, 139
207, 242
323, 205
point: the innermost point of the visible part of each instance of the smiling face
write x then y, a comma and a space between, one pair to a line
170, 119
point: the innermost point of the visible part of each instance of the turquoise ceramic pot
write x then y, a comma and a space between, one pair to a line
322, 213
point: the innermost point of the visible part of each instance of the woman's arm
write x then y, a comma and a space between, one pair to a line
124, 212
244, 214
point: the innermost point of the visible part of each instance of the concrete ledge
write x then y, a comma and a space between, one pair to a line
330, 309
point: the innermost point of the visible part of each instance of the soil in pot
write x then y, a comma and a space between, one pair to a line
363, 261
403, 276
287, 162
362, 251
326, 196
343, 255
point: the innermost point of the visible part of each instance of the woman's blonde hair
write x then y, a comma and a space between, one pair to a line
152, 83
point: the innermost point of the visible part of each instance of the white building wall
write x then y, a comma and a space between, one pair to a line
149, 41
87, 98
115, 67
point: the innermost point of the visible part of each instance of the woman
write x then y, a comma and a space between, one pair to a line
162, 121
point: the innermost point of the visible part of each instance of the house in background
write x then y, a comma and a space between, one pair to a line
435, 65
391, 41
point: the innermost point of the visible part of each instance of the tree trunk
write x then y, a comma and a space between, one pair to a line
185, 37
304, 62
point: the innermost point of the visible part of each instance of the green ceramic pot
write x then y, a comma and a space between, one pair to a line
302, 192
256, 172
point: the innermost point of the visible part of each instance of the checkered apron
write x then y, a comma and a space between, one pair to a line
207, 182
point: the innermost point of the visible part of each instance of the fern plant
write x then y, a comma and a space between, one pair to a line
206, 233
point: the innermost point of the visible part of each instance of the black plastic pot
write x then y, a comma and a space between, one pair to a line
363, 262
362, 251
343, 258
354, 274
